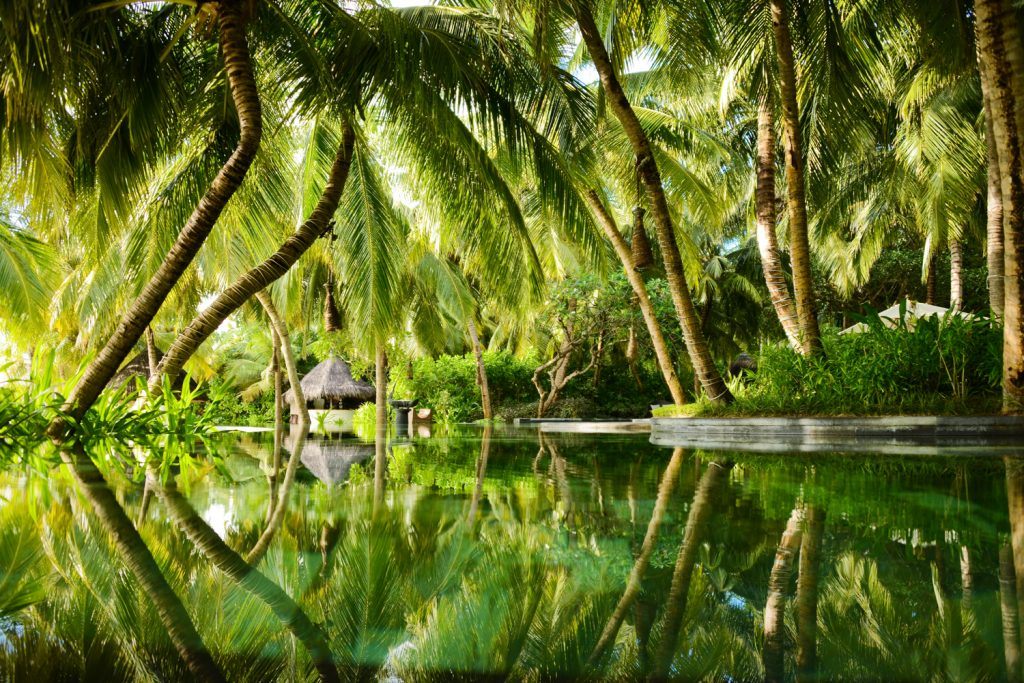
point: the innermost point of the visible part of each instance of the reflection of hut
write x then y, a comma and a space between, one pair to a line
332, 395
330, 459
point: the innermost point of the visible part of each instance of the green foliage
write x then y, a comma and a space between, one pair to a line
947, 365
448, 386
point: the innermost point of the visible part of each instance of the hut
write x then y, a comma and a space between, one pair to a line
332, 395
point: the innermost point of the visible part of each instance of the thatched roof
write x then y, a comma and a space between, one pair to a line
332, 381
330, 459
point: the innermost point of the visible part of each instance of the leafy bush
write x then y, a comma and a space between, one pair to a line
447, 384
949, 365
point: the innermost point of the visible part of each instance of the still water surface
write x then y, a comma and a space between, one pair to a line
510, 553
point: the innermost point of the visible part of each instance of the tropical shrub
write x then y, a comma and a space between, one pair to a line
950, 365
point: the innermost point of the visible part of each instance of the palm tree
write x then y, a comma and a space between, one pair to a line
636, 282
234, 46
778, 592
799, 247
1002, 60
647, 168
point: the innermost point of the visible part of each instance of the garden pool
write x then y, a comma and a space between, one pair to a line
507, 552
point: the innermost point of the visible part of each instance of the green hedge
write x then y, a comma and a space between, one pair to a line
939, 366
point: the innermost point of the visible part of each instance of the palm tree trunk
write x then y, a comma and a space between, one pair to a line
807, 595
799, 247
931, 280
715, 476
1009, 612
289, 357
956, 269
139, 315
778, 589
647, 167
1002, 55
481, 471
255, 555
767, 241
140, 563
276, 265
151, 352
481, 371
665, 488
1015, 498
249, 578
381, 431
622, 250
994, 205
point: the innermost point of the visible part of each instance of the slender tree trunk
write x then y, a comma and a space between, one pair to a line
139, 315
715, 476
807, 595
778, 590
143, 567
151, 352
289, 358
931, 280
381, 431
799, 246
481, 371
276, 265
956, 269
767, 241
661, 351
281, 507
275, 371
669, 479
250, 579
1002, 55
994, 206
1015, 497
1009, 613
481, 471
647, 167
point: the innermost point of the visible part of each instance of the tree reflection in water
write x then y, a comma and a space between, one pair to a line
504, 553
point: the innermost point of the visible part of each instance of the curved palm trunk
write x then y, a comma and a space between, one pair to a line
276, 265
715, 476
281, 507
956, 270
1002, 55
481, 471
622, 250
778, 589
139, 315
647, 167
767, 241
251, 580
799, 247
1009, 613
668, 484
289, 357
143, 567
481, 371
994, 204
807, 595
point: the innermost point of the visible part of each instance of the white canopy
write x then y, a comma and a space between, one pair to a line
891, 316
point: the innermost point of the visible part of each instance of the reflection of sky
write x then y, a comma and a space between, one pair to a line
217, 516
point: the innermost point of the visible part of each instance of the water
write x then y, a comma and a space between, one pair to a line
512, 554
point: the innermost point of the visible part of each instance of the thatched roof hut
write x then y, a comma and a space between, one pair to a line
330, 459
330, 385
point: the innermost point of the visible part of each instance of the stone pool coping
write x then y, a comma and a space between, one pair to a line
914, 434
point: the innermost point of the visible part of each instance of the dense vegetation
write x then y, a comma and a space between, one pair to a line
511, 209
